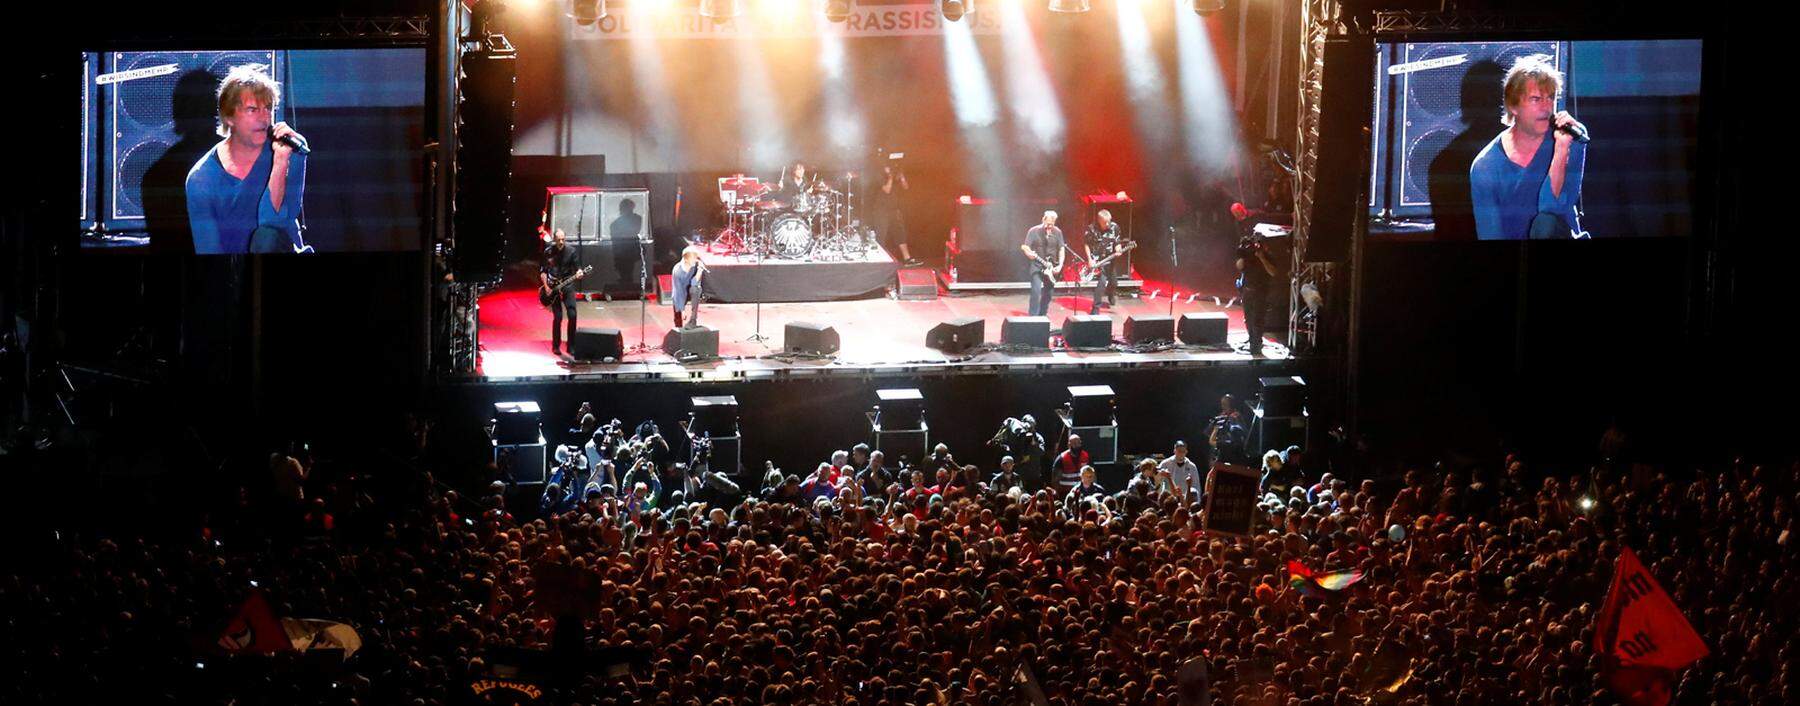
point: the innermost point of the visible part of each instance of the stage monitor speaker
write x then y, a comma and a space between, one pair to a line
483, 168
517, 422
715, 414
605, 344
1027, 331
1283, 396
916, 284
1085, 331
810, 338
900, 409
692, 342
1204, 329
522, 464
1148, 329
1346, 97
957, 335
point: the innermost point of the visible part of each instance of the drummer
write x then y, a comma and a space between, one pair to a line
796, 182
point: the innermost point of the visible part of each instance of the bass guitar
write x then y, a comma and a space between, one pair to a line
552, 293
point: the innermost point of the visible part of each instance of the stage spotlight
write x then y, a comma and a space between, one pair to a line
955, 9
1073, 7
587, 12
837, 10
1208, 7
721, 9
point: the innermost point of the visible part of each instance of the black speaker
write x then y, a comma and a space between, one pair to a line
901, 409
695, 342
1208, 329
957, 335
1145, 329
715, 414
1283, 396
1346, 96
810, 338
1278, 433
597, 344
517, 422
161, 125
484, 115
1027, 331
1091, 405
1084, 331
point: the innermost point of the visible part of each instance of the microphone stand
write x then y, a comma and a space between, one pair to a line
643, 345
757, 335
1174, 262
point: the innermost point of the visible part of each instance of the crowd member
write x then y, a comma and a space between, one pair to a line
979, 598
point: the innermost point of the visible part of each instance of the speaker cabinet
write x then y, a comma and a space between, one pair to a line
957, 335
1026, 331
1207, 329
598, 344
1085, 331
695, 342
1147, 329
810, 338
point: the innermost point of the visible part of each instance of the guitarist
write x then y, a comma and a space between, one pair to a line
1102, 242
1043, 246
559, 264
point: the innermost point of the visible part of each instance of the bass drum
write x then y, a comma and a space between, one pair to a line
790, 237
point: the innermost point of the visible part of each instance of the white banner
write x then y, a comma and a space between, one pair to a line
134, 74
897, 20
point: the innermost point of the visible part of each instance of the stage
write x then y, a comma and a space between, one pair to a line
880, 337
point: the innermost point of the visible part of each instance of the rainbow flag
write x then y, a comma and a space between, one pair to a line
1320, 585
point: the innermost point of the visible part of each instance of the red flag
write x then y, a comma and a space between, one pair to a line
254, 628
1642, 637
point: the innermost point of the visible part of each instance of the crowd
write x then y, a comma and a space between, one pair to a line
942, 582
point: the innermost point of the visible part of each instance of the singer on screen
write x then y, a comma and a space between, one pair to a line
1527, 182
245, 194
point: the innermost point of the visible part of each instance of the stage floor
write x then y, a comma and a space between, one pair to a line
880, 336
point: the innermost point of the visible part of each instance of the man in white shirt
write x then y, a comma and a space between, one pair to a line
1182, 471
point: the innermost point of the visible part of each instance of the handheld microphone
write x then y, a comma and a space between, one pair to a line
297, 142
1578, 130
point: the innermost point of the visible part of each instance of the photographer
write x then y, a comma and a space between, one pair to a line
887, 204
1256, 274
699, 481
1019, 439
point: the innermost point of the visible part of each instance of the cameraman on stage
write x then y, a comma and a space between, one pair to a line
1256, 275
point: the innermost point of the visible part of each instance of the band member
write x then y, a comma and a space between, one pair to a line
688, 274
245, 194
796, 182
887, 208
1256, 273
559, 264
1100, 242
1523, 185
1043, 248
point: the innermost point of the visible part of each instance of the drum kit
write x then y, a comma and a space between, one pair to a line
817, 224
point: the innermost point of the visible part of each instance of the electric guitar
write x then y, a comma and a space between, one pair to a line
1049, 268
1091, 271
550, 294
